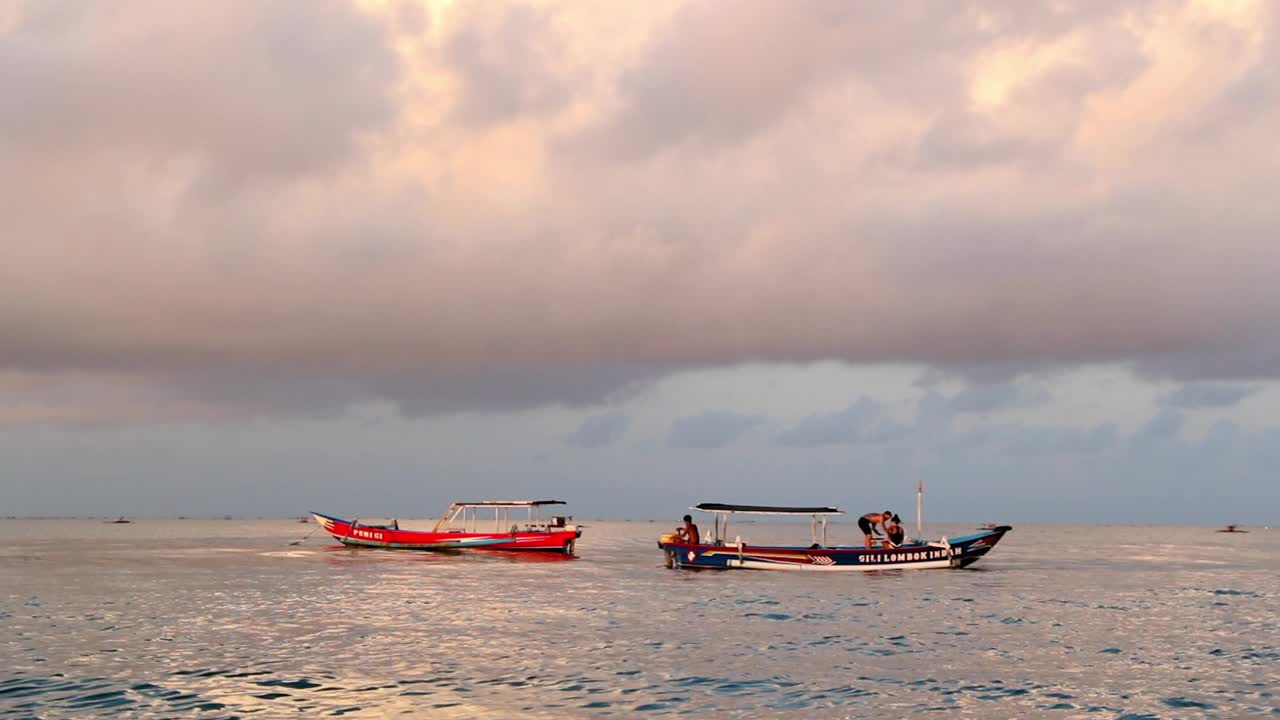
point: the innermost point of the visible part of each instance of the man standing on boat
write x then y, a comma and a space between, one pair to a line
689, 533
868, 522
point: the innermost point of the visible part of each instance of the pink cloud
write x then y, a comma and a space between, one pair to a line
262, 191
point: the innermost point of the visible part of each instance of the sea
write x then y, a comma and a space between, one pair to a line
229, 618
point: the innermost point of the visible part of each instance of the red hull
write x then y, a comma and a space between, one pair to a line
556, 540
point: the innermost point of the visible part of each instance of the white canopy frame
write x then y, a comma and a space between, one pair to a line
720, 518
469, 514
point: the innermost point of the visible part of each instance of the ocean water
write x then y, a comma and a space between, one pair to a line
224, 618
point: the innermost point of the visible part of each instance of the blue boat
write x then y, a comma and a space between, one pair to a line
717, 551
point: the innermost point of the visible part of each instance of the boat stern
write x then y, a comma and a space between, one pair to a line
668, 553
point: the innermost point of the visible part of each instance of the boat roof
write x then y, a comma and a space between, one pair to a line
509, 503
765, 509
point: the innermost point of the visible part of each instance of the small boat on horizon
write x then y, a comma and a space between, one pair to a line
460, 529
118, 521
715, 550
1231, 529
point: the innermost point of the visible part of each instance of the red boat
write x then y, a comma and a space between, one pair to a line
461, 527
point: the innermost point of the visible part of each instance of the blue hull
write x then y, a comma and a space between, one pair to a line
948, 553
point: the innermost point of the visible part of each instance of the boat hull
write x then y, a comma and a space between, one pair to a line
380, 536
954, 553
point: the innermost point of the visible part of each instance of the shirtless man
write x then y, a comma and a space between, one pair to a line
868, 522
688, 533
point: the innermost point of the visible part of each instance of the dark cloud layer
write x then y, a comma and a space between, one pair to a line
1073, 442
990, 397
281, 207
1210, 395
600, 430
1163, 427
710, 430
864, 421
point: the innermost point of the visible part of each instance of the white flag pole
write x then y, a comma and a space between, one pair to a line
920, 508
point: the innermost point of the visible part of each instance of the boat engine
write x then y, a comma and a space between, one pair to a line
668, 555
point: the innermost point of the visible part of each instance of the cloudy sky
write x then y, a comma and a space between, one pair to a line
263, 257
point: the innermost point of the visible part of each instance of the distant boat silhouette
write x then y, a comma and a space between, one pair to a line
118, 521
1231, 529
304, 519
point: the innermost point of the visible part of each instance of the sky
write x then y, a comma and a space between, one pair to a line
371, 257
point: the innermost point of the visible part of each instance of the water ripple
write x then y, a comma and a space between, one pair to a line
229, 621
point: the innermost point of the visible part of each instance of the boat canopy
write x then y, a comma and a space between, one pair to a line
509, 503
765, 509
468, 513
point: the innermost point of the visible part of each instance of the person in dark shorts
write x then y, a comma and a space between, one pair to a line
869, 521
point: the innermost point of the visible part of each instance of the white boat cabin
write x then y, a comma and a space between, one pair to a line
496, 516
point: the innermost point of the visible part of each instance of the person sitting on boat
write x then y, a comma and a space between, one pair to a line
894, 534
869, 521
688, 533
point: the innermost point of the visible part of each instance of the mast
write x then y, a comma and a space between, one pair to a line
919, 508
